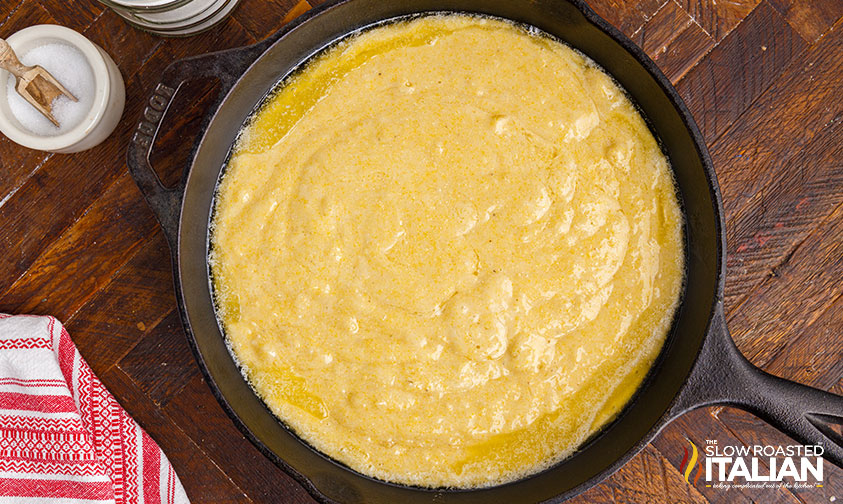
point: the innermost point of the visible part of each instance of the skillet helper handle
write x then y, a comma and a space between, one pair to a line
723, 376
227, 66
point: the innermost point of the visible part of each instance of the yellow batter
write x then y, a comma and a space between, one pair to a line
447, 252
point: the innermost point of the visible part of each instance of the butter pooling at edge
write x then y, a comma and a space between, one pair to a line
447, 251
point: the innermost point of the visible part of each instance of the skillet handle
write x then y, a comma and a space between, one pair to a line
723, 376
227, 66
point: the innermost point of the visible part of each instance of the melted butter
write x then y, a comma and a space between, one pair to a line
447, 252
282, 385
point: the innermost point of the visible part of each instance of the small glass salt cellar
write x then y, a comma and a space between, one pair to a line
82, 67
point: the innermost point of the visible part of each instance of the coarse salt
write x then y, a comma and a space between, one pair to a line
70, 67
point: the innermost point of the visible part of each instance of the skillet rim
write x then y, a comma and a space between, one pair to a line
713, 192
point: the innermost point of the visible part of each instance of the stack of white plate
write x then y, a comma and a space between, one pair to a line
172, 17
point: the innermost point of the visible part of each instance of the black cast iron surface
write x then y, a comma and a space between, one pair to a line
698, 366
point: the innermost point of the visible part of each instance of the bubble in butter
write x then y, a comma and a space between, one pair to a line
447, 251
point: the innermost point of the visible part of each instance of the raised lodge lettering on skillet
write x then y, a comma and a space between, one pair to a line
447, 251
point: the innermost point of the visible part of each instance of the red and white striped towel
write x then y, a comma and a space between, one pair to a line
63, 437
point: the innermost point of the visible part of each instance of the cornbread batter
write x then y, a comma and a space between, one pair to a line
447, 251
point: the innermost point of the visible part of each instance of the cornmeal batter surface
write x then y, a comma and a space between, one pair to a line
447, 251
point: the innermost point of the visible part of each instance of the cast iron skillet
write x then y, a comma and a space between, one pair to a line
698, 366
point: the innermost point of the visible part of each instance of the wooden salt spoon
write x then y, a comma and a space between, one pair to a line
35, 84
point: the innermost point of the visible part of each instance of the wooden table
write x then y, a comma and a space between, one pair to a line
762, 78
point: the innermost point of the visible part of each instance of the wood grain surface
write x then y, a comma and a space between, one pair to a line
762, 78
